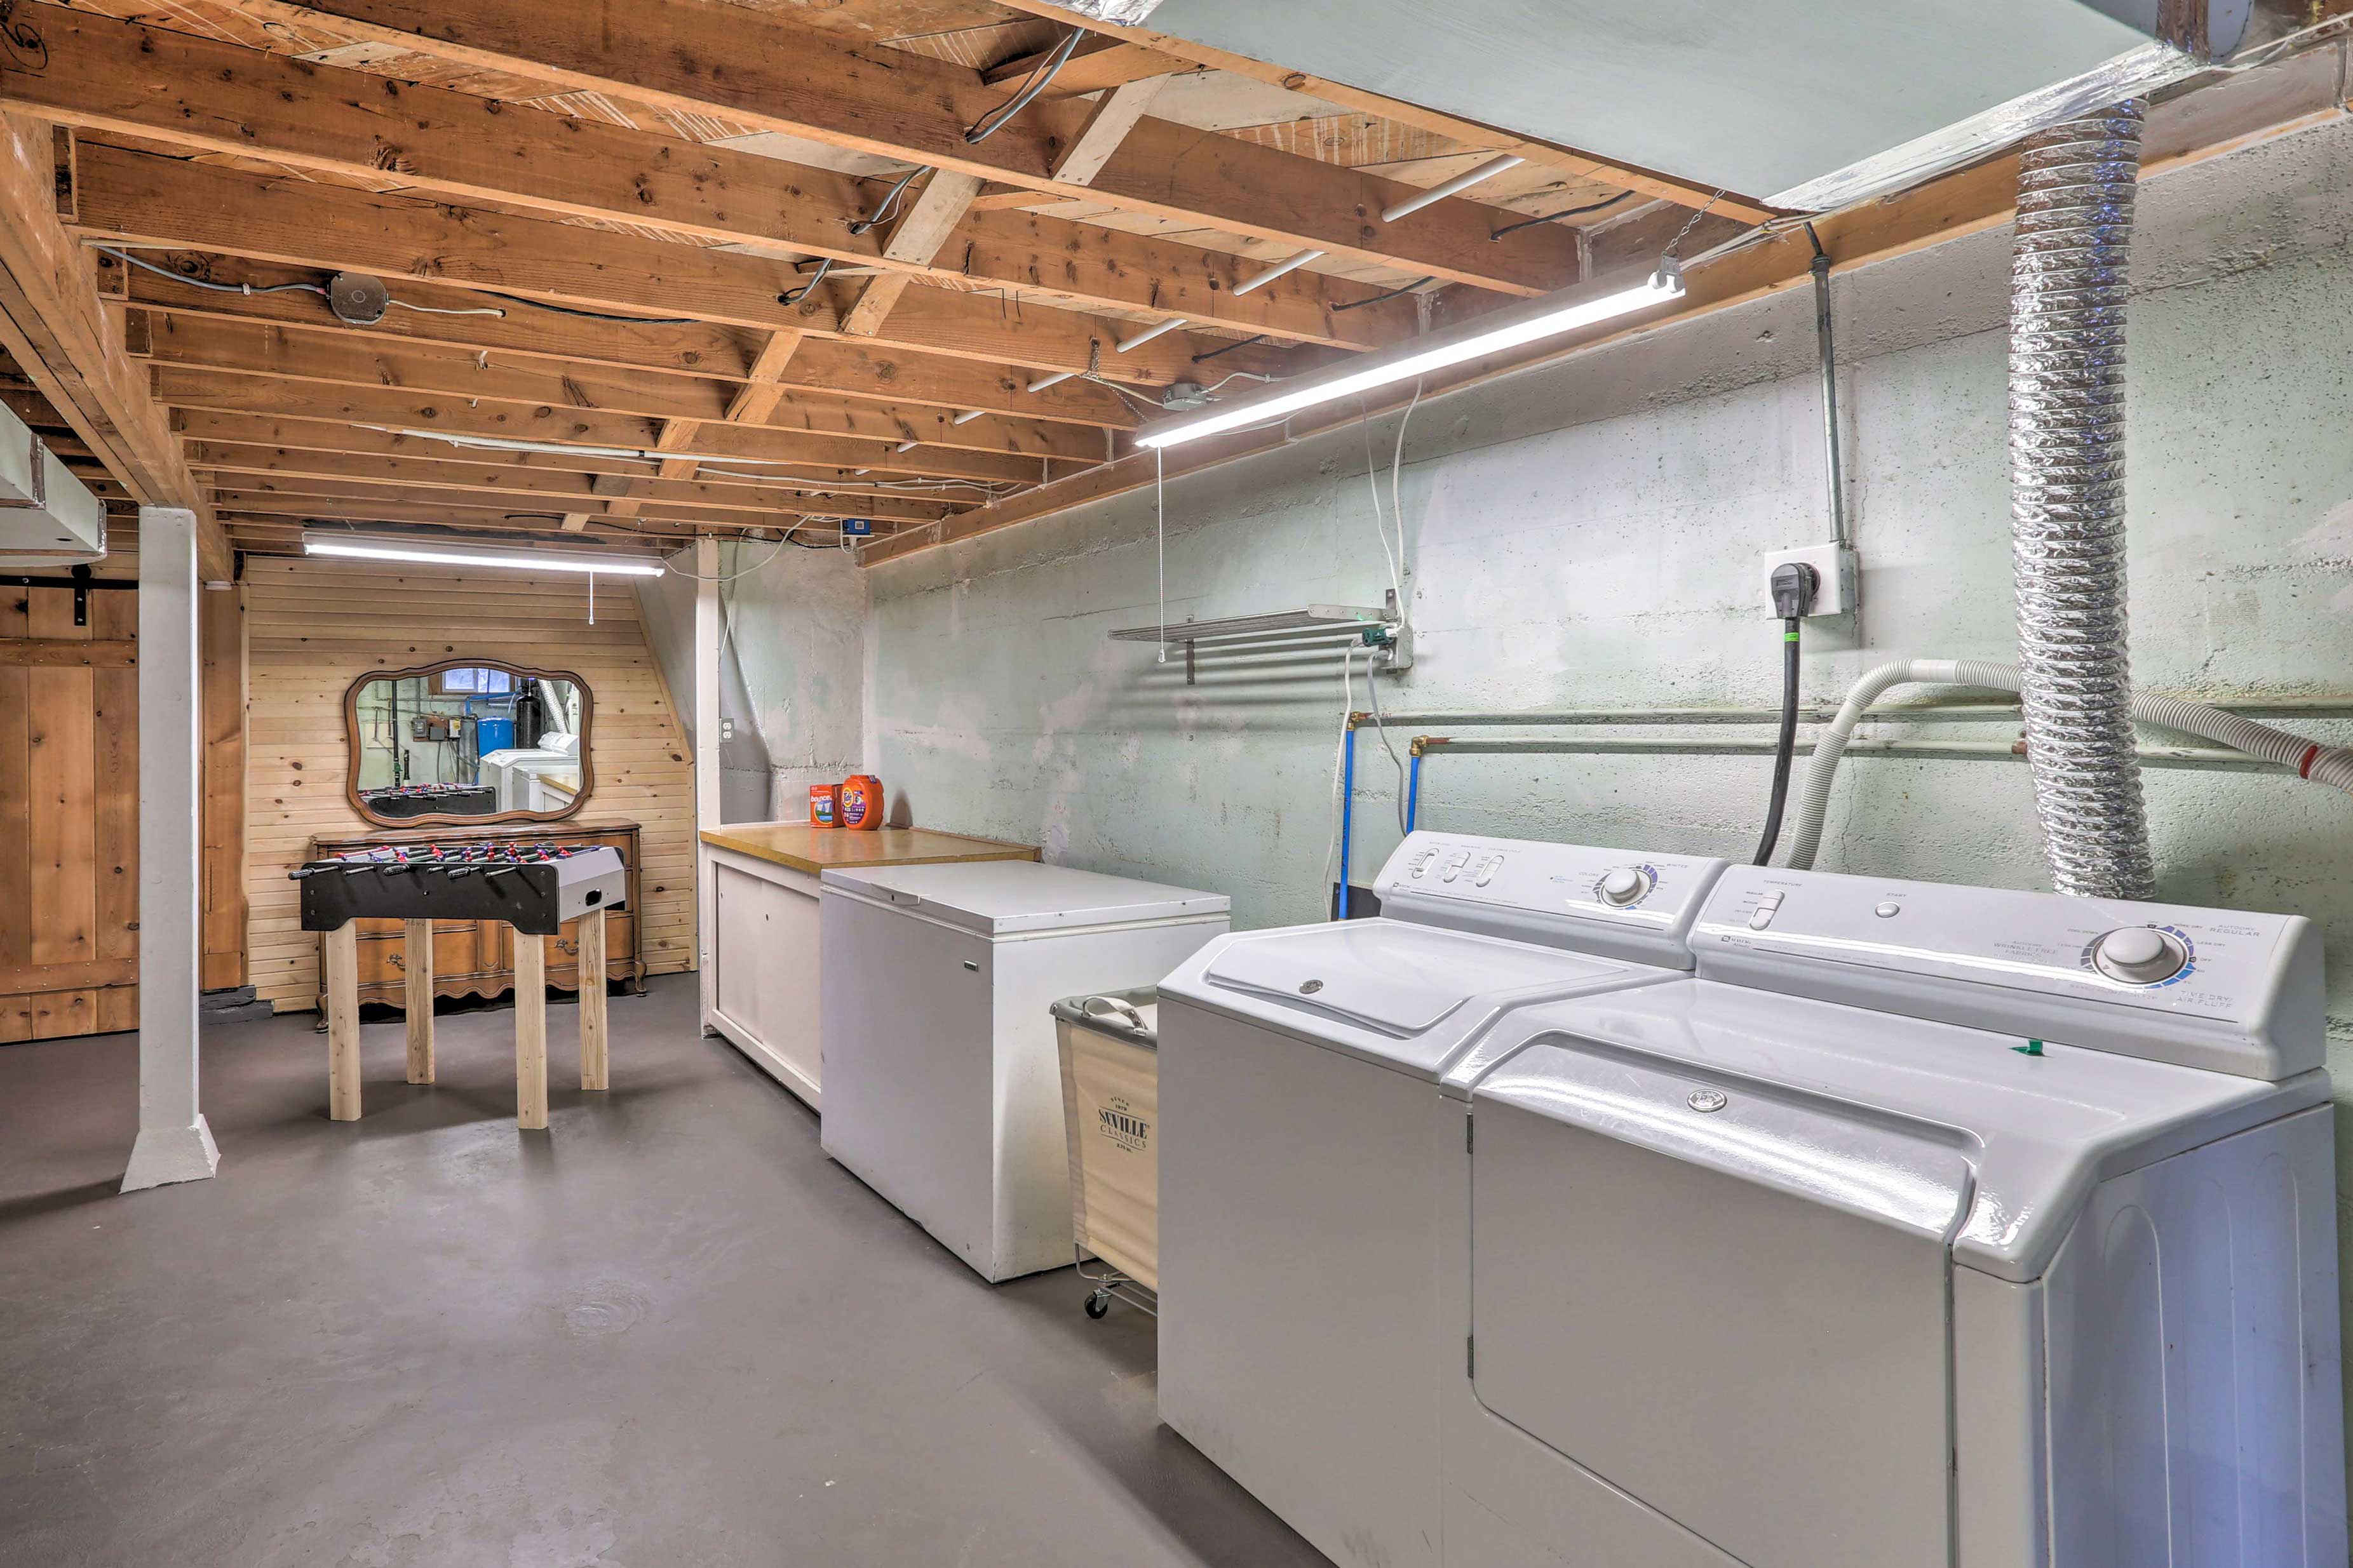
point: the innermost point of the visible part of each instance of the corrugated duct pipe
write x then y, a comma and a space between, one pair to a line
2075, 189
2331, 765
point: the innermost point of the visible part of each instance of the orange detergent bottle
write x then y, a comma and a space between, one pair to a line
861, 801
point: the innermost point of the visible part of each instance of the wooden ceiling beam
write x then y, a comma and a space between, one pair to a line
292, 363
2237, 112
63, 339
1568, 160
328, 441
768, 70
212, 96
405, 503
143, 198
321, 472
822, 371
192, 395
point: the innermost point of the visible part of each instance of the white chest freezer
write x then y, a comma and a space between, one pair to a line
1927, 1226
943, 1089
1305, 1116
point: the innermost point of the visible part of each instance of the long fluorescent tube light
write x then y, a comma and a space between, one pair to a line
383, 547
1665, 284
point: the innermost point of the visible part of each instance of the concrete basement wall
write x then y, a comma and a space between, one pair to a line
1589, 534
792, 675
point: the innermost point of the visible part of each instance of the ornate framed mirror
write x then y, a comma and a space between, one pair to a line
467, 741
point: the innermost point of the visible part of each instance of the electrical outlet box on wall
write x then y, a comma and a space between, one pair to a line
1837, 577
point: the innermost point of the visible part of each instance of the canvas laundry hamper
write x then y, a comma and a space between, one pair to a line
1111, 1105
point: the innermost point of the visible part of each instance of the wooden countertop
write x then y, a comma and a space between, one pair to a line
802, 848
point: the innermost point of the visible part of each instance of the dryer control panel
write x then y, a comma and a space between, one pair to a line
2207, 988
1619, 903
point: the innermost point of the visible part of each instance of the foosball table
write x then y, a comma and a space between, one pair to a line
533, 887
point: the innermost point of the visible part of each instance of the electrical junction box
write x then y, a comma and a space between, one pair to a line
1838, 580
857, 527
48, 517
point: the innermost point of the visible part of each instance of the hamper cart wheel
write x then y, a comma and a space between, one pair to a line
1099, 1304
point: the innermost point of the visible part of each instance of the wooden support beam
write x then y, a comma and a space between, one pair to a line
59, 335
770, 71
2237, 112
275, 468
452, 365
1568, 160
212, 96
698, 350
1119, 112
262, 495
297, 438
143, 198
199, 396
919, 237
287, 381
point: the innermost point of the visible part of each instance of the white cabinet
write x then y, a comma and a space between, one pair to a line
770, 972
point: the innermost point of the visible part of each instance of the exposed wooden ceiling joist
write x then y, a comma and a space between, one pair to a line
2234, 113
770, 70
137, 196
217, 97
59, 334
1585, 165
821, 374
195, 392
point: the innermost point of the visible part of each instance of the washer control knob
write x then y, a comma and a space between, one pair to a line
2138, 955
1623, 886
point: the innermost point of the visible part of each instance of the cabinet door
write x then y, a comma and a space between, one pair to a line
908, 1066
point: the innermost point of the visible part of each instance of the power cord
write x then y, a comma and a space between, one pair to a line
1794, 586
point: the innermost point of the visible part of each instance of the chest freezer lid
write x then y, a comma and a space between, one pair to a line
1001, 898
2036, 1132
1399, 995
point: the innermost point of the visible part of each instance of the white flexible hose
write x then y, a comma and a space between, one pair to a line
2331, 765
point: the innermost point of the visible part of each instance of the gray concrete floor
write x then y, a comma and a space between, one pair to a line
665, 1332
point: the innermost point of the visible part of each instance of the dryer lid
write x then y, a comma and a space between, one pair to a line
1406, 996
1730, 1304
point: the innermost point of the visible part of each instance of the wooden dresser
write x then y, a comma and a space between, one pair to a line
476, 958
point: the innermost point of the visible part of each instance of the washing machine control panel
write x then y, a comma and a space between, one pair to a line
1616, 902
2238, 992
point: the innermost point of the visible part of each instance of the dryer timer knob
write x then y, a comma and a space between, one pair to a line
2138, 955
1623, 886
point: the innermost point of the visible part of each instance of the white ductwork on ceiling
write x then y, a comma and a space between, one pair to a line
1803, 104
48, 517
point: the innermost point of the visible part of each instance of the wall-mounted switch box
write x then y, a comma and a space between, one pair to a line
1837, 578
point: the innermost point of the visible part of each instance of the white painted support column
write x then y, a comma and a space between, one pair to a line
175, 1144
707, 631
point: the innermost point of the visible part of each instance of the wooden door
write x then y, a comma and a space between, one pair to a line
68, 814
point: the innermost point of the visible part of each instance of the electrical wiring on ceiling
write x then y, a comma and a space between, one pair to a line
1556, 217
996, 119
206, 283
1213, 353
1396, 293
596, 315
889, 200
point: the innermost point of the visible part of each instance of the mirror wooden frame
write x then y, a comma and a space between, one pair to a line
478, 661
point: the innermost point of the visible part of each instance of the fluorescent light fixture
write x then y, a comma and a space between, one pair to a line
1665, 284
508, 558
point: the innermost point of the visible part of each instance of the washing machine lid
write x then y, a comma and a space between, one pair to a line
1399, 995
1732, 1306
1003, 897
2037, 1123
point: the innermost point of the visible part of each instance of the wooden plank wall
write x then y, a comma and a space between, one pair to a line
69, 812
312, 628
221, 646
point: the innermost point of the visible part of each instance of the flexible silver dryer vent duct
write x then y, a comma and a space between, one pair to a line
2075, 187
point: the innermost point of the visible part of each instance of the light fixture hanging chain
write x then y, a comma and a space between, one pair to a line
1682, 234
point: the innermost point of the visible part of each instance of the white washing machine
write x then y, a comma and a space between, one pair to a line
1301, 1219
514, 771
1927, 1226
